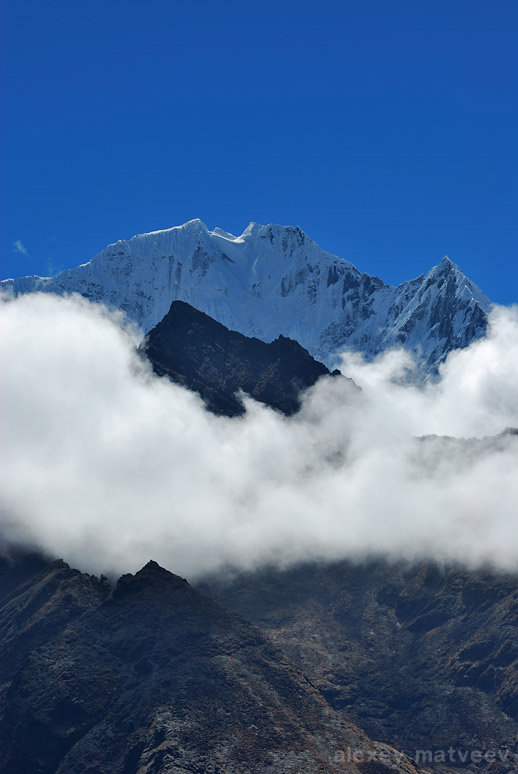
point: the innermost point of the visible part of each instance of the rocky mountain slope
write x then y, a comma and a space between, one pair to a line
196, 351
421, 657
151, 676
274, 280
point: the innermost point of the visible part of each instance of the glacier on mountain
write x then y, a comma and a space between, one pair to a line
275, 280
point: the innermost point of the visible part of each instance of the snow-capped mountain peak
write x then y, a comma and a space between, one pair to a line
273, 280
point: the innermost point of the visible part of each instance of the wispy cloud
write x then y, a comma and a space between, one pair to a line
19, 247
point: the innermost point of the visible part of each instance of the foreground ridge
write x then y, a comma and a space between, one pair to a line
153, 676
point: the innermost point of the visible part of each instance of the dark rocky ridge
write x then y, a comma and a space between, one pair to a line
194, 350
152, 676
418, 656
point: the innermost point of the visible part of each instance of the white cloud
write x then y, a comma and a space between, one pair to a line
19, 247
108, 466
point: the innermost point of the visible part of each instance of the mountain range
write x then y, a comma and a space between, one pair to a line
273, 671
274, 280
367, 667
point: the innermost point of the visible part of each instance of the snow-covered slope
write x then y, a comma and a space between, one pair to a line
275, 280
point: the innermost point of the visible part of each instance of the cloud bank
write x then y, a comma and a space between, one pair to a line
107, 465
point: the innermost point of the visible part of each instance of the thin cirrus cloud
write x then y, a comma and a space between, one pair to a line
19, 247
108, 466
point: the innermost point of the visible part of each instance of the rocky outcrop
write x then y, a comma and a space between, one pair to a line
194, 350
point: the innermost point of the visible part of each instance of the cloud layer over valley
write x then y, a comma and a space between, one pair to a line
107, 465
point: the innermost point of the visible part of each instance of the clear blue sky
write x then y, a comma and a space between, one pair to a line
386, 129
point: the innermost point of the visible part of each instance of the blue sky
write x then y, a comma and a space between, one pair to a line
386, 130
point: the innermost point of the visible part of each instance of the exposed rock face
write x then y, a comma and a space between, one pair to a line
151, 676
196, 351
419, 657
274, 280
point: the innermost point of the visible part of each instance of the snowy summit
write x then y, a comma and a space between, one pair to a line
274, 280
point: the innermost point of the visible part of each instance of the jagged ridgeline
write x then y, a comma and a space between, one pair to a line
274, 280
194, 350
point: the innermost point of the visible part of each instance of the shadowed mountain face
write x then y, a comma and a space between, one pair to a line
194, 350
152, 676
419, 657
